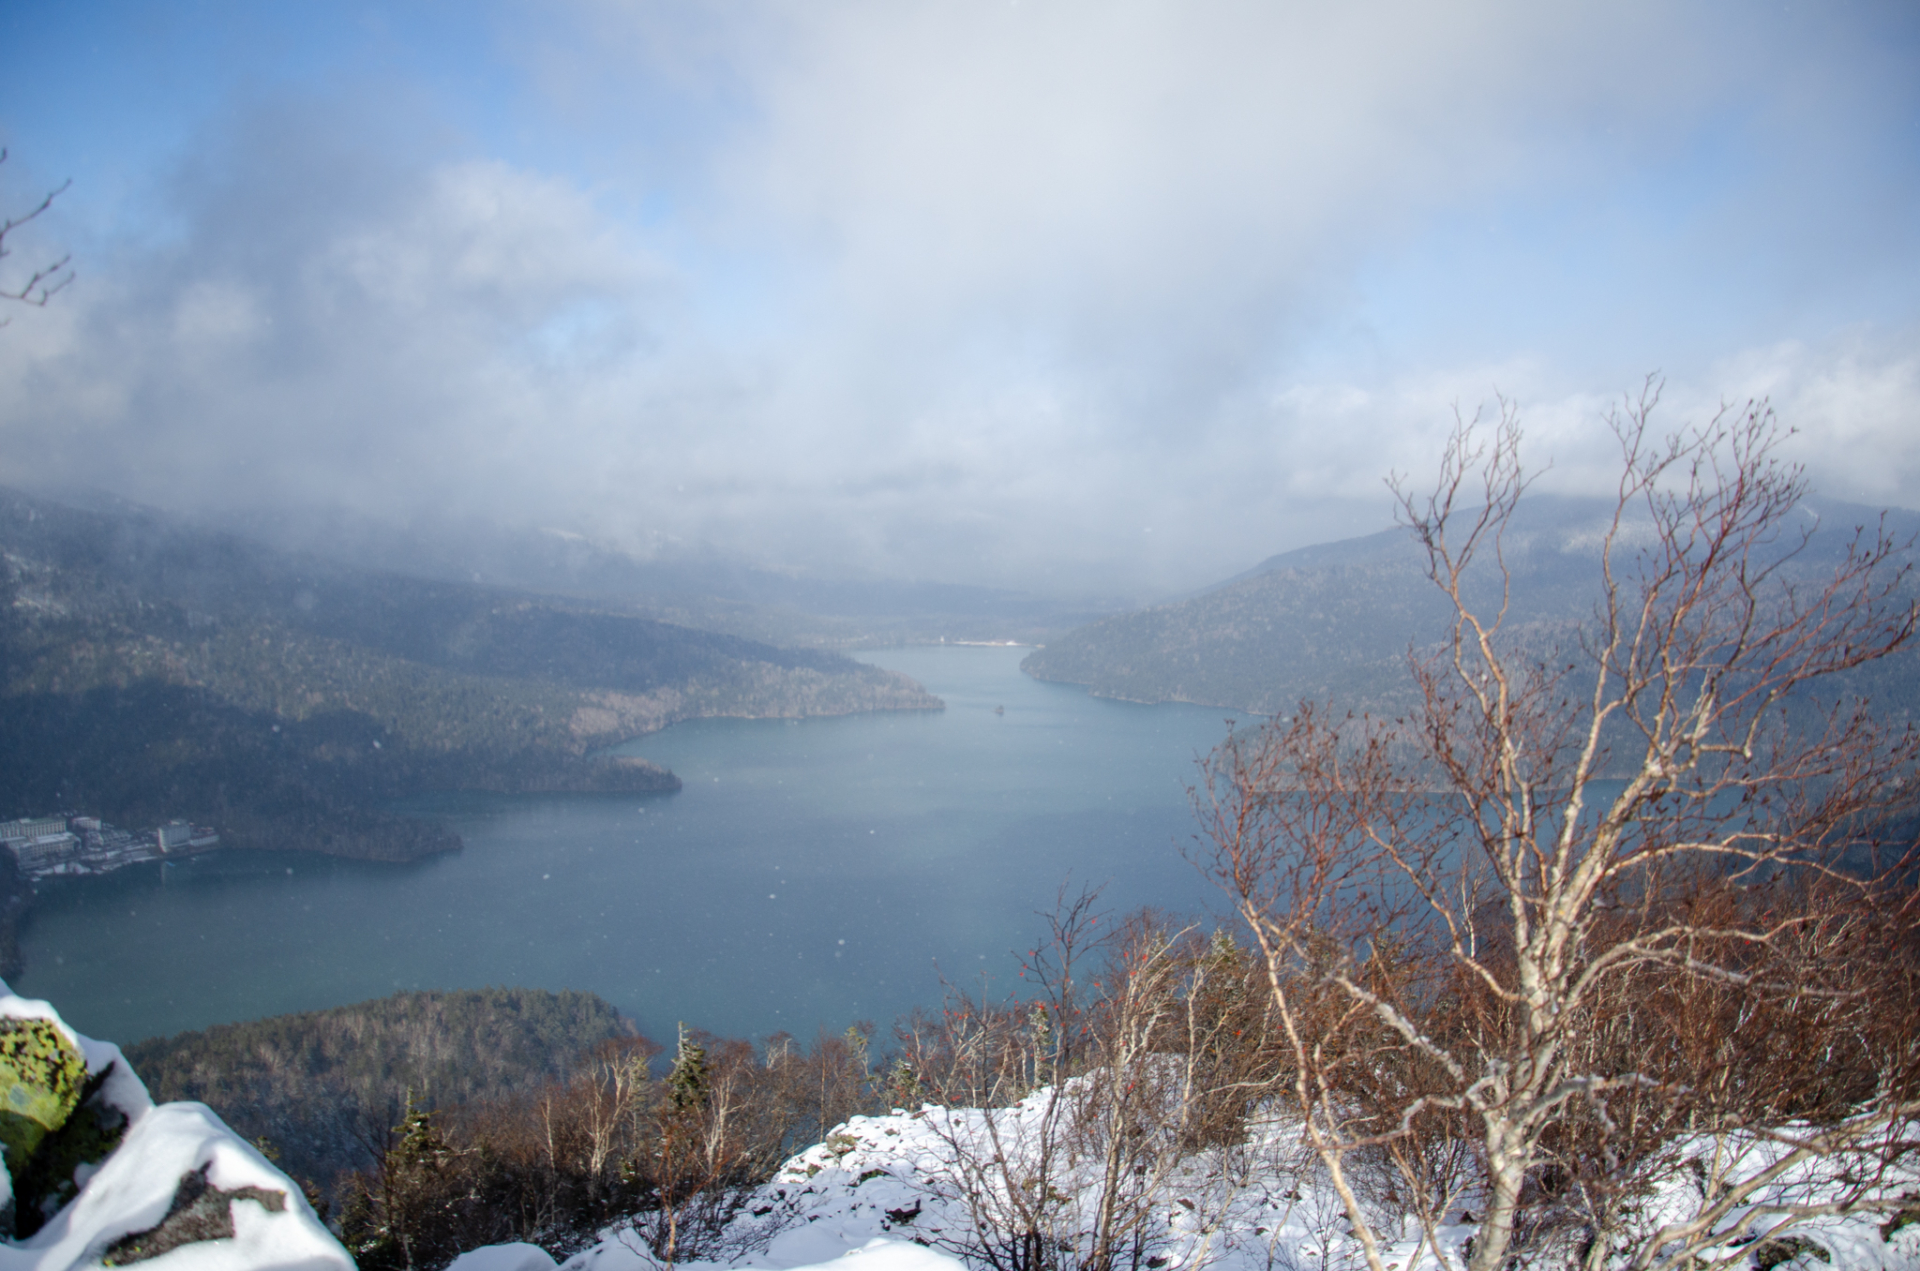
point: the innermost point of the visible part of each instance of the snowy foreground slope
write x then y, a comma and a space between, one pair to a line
179, 1190
98, 1175
886, 1194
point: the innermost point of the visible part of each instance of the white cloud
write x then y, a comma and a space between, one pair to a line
1131, 293
1854, 404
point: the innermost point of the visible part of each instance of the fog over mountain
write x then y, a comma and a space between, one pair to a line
1055, 295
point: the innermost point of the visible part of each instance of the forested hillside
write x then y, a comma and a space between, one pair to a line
324, 1087
152, 669
1335, 622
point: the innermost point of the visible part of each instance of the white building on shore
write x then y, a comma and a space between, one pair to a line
52, 845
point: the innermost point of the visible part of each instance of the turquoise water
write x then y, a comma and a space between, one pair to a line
809, 874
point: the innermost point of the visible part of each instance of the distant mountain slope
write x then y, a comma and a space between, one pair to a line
153, 669
1334, 622
320, 1084
691, 585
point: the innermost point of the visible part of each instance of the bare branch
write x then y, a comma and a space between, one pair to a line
47, 281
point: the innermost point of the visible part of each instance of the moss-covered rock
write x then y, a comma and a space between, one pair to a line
54, 1174
42, 1077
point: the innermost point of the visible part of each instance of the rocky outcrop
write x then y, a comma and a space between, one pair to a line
95, 1173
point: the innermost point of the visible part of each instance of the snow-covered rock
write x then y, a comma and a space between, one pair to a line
180, 1190
890, 1255
517, 1256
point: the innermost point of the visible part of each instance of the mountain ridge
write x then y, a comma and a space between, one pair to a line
1336, 622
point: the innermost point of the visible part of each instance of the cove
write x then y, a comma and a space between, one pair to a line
809, 874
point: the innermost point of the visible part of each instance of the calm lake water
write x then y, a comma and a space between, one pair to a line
811, 873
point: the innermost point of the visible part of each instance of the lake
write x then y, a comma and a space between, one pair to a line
811, 873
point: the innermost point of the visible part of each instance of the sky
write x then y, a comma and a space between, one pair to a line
1115, 296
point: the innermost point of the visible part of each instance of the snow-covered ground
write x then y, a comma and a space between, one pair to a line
886, 1194
911, 1191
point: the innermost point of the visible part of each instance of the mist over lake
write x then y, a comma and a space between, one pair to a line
809, 874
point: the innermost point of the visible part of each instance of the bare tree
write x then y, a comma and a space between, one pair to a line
1081, 1118
1462, 910
48, 280
713, 1131
1005, 1073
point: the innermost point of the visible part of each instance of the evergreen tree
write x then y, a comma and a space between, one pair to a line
690, 1084
406, 1224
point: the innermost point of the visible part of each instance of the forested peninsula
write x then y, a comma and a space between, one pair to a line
153, 669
